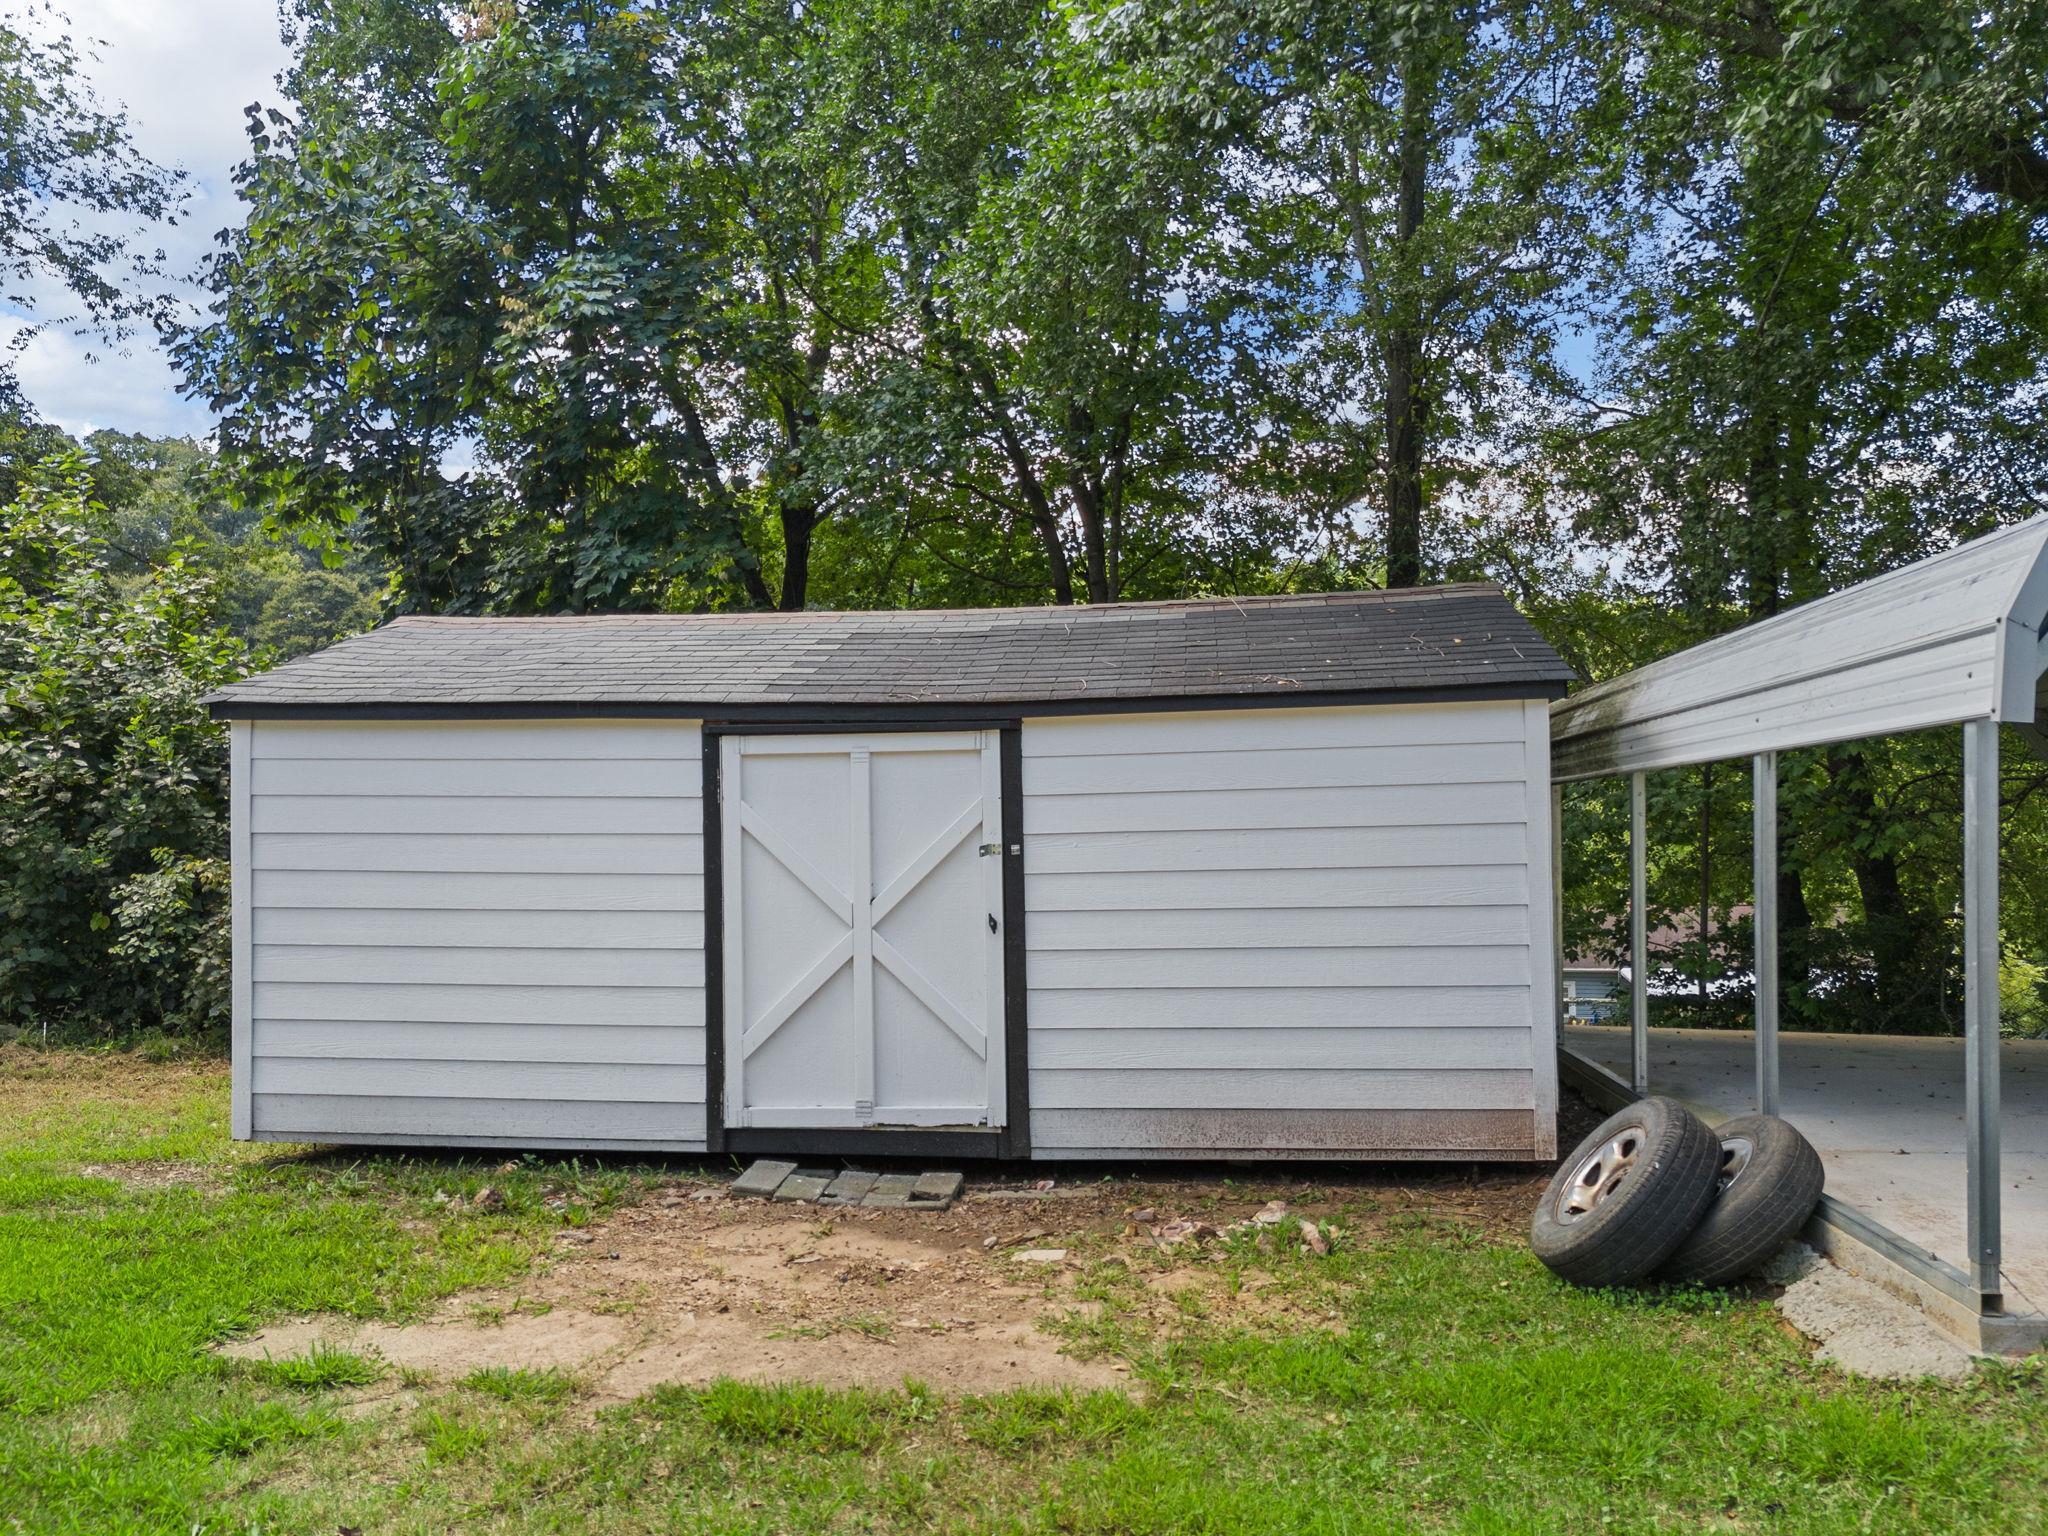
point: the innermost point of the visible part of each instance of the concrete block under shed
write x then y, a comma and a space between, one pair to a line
935, 1191
804, 1184
850, 1188
892, 1191
762, 1179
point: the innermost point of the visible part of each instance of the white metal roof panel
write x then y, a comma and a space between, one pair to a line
1950, 638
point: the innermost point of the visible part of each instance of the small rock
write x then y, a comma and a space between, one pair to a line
1041, 1256
989, 1242
1174, 1233
1271, 1214
1313, 1239
1143, 1213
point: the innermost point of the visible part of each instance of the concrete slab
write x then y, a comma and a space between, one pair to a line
1886, 1114
761, 1179
935, 1191
804, 1184
891, 1191
850, 1188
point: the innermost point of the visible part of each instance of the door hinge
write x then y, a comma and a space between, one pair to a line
995, 850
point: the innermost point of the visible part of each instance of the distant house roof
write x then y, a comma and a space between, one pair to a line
1466, 639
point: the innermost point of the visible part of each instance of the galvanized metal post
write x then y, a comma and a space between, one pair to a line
1557, 909
1764, 829
1638, 937
1980, 1000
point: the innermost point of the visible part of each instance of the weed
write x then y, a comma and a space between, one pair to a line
320, 1368
236, 1432
515, 1383
446, 1438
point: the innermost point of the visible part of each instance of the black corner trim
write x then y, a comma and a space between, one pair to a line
714, 951
1016, 994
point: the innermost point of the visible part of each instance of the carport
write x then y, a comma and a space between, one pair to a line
1953, 640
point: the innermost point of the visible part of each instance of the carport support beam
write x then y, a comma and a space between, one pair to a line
1980, 1000
1638, 937
1765, 839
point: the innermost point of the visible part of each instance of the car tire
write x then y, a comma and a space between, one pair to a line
1769, 1182
1622, 1203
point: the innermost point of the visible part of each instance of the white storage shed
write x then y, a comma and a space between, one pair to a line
1257, 877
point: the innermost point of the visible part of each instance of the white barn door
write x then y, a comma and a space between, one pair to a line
863, 947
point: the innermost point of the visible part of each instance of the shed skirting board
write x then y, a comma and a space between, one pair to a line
496, 1122
1316, 933
472, 934
1282, 1133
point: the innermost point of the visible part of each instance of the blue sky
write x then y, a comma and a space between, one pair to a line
184, 70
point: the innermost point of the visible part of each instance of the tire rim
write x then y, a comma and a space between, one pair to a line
1736, 1152
1601, 1173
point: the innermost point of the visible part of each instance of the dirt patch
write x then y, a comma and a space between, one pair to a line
158, 1175
686, 1289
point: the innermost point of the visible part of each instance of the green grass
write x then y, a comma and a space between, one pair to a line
514, 1384
1426, 1377
321, 1368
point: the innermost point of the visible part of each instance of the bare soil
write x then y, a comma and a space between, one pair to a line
690, 1286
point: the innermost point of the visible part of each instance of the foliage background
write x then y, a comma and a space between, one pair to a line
1665, 314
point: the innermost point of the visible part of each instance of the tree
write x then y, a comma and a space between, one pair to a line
1415, 203
67, 175
605, 248
1819, 370
113, 781
1953, 91
1058, 357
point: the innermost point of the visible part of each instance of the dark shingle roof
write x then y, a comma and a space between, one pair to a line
1427, 639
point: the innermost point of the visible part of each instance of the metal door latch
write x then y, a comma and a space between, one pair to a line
995, 850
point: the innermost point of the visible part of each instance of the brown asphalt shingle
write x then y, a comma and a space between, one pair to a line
1431, 638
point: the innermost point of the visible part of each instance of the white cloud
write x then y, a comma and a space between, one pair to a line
183, 70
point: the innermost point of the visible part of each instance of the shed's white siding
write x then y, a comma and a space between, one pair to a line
464, 932
1291, 932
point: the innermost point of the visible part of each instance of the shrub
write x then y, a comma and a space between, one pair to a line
113, 781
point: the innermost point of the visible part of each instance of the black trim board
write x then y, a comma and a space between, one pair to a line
714, 949
1012, 1140
855, 1141
826, 713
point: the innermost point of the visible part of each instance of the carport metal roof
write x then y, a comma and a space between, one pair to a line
1952, 638
1955, 639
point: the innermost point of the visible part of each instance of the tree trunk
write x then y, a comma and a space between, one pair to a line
1795, 941
1406, 406
1088, 504
1898, 936
799, 524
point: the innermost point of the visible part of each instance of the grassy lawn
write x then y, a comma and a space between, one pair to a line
1431, 1378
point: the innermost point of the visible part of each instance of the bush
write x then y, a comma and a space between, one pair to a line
113, 781
2022, 1012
